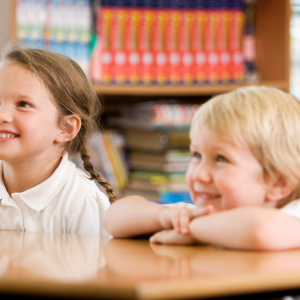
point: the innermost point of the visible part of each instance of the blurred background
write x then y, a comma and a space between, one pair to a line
153, 63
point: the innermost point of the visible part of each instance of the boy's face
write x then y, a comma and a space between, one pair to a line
223, 174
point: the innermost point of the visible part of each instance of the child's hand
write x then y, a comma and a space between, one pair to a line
179, 218
171, 237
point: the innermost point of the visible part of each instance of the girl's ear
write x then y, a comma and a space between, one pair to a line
280, 188
70, 127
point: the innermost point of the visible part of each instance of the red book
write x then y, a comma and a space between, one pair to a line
119, 21
131, 45
172, 46
185, 46
145, 45
235, 43
199, 72
159, 46
211, 31
223, 45
102, 60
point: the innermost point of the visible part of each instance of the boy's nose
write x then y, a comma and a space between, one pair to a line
202, 173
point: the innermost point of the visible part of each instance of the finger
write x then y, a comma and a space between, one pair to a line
201, 211
175, 220
155, 238
184, 221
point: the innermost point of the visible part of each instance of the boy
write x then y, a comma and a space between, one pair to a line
243, 178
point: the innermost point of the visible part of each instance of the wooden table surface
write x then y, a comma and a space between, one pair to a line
86, 266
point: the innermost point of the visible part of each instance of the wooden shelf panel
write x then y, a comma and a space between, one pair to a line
195, 90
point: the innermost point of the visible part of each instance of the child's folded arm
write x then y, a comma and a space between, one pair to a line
133, 216
252, 228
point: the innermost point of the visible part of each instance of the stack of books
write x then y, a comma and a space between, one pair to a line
169, 42
157, 142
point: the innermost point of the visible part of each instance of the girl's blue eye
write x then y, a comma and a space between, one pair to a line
23, 104
222, 158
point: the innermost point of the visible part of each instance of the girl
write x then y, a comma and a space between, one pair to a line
48, 110
245, 163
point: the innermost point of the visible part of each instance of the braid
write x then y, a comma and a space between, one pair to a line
95, 175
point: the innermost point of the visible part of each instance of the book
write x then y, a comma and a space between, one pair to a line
169, 161
153, 115
164, 197
156, 140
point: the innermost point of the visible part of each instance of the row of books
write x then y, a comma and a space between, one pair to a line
63, 26
157, 151
59, 20
174, 43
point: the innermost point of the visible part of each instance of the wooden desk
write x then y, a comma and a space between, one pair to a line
80, 266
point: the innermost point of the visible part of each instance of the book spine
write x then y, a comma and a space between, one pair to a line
236, 50
103, 61
107, 162
223, 44
211, 27
159, 46
249, 37
185, 46
112, 159
119, 168
131, 44
198, 49
145, 45
120, 15
172, 45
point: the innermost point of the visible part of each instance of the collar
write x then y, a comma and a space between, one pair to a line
41, 195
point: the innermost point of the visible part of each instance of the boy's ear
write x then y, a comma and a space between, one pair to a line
279, 189
69, 129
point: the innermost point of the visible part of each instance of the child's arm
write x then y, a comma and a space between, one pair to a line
134, 215
252, 228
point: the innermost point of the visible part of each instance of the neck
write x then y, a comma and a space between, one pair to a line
21, 177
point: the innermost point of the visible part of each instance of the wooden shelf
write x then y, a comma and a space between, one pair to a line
193, 90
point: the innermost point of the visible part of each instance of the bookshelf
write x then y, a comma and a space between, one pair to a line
148, 175
272, 51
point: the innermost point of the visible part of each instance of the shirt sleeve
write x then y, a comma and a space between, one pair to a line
181, 205
292, 209
88, 215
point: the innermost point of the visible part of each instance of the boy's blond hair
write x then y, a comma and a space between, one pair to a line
266, 120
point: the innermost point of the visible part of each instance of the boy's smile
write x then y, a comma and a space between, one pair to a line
223, 174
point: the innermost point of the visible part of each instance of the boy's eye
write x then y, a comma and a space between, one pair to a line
196, 155
222, 158
23, 104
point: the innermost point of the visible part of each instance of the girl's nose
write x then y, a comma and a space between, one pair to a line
202, 173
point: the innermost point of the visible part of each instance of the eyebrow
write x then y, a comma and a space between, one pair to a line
23, 97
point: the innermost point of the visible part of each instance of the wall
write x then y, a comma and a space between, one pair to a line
5, 22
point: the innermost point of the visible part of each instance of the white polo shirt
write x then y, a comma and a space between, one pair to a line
66, 202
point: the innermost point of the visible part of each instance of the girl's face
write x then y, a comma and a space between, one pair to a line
223, 174
28, 116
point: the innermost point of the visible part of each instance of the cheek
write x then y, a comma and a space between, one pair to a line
189, 179
40, 127
238, 190
189, 174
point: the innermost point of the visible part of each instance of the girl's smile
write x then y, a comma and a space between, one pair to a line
6, 135
28, 117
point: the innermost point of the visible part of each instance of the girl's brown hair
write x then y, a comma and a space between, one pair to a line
73, 94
